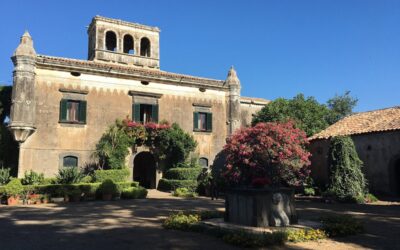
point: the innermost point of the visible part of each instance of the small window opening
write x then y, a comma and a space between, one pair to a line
128, 45
202, 89
111, 41
145, 47
70, 161
203, 162
74, 73
144, 82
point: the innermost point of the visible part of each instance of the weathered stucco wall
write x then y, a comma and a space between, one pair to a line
247, 110
378, 151
108, 99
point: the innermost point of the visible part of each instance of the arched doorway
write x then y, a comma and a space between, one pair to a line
144, 170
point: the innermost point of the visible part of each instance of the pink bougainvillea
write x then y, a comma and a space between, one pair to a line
268, 153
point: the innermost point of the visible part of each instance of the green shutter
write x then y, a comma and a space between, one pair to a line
136, 112
63, 110
82, 111
209, 122
195, 121
154, 113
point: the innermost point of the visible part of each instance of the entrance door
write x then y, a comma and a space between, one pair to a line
144, 170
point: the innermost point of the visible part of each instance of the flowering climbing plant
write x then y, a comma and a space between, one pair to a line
267, 154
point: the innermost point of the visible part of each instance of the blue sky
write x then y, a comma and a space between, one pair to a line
279, 48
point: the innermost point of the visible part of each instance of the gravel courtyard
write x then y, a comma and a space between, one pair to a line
136, 224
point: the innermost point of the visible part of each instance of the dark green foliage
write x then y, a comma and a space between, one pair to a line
341, 106
69, 175
8, 146
4, 176
307, 113
172, 145
112, 148
47, 181
347, 181
182, 173
170, 185
13, 188
32, 178
134, 193
341, 225
116, 175
108, 187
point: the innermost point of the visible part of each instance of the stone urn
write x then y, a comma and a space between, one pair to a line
263, 207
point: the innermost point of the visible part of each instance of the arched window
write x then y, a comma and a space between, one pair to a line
111, 41
70, 161
203, 162
128, 45
145, 47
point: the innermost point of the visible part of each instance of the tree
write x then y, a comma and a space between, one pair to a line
341, 106
347, 181
307, 113
271, 153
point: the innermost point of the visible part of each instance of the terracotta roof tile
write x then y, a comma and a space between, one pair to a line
366, 122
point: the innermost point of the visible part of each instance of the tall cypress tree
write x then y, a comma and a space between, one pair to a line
347, 181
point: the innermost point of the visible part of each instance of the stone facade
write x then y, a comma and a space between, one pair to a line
380, 153
109, 84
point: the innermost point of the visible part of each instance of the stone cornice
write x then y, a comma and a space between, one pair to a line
147, 94
127, 72
125, 23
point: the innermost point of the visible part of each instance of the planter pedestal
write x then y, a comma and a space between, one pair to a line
260, 207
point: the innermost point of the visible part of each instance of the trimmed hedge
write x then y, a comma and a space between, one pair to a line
171, 185
134, 193
116, 175
182, 173
59, 190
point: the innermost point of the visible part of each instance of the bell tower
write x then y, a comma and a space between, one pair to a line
117, 41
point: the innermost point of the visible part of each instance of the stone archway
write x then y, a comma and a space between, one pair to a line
144, 170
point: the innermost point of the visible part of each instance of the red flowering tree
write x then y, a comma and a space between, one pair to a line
268, 153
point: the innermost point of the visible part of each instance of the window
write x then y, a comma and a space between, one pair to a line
70, 161
203, 162
111, 41
145, 47
145, 113
202, 121
128, 45
73, 111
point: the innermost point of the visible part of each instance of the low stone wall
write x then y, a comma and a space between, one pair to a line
260, 207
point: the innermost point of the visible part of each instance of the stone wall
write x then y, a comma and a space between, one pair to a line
379, 152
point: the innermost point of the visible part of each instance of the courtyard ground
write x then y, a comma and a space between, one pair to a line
136, 224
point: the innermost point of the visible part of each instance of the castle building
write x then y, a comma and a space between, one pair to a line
61, 106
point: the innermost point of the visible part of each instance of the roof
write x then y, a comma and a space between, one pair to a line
361, 123
122, 22
113, 68
254, 100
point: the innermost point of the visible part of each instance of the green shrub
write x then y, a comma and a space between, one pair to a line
48, 181
116, 175
184, 192
300, 235
181, 221
32, 178
369, 198
69, 175
4, 176
14, 188
347, 181
182, 173
134, 193
87, 179
341, 225
309, 191
108, 187
171, 185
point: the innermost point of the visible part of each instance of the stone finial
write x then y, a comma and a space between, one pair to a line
25, 47
232, 78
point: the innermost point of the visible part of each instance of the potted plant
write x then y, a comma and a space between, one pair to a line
108, 189
45, 198
263, 165
13, 191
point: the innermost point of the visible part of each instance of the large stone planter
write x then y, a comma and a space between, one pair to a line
260, 207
